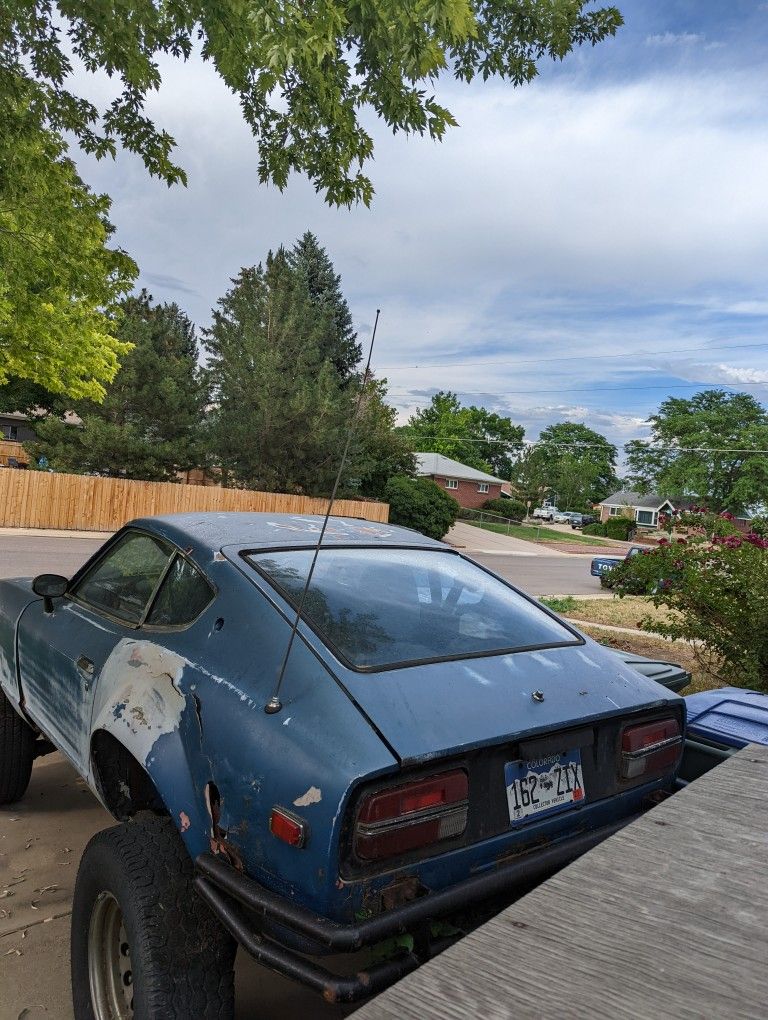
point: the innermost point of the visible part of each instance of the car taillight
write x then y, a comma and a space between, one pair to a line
650, 748
411, 816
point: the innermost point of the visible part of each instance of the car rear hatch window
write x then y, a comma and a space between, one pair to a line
384, 608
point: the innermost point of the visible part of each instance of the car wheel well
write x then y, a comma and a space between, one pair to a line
123, 783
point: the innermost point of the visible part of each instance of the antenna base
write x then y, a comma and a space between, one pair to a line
273, 705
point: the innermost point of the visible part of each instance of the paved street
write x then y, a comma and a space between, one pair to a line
550, 574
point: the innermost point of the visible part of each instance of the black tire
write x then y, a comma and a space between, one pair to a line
181, 960
17, 752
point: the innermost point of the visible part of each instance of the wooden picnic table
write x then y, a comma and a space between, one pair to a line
667, 918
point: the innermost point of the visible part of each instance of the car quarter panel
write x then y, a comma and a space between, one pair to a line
189, 705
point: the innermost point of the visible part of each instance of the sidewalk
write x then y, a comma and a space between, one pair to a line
472, 539
94, 536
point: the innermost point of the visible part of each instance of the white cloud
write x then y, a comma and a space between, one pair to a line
675, 39
552, 222
718, 374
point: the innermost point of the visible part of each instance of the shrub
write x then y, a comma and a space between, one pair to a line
716, 587
593, 529
619, 527
420, 504
513, 508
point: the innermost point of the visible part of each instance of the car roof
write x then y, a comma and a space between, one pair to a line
211, 531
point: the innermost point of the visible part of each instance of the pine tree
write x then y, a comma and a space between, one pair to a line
312, 262
280, 410
148, 425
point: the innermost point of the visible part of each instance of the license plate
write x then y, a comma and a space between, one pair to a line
543, 785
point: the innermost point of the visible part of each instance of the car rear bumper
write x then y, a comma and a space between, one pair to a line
247, 909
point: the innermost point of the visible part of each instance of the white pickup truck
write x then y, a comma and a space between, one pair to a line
545, 513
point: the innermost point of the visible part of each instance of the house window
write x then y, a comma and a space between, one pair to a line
482, 487
614, 511
451, 483
646, 517
9, 432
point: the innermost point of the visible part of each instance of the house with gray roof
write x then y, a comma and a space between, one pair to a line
468, 486
643, 508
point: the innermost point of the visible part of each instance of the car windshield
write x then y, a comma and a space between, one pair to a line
379, 608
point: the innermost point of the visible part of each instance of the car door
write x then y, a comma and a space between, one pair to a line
61, 654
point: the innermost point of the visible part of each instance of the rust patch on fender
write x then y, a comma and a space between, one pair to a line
219, 842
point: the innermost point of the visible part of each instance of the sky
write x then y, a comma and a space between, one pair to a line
578, 249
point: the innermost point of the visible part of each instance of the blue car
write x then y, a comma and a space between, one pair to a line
439, 742
603, 564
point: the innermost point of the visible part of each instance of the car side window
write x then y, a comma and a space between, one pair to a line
182, 597
123, 582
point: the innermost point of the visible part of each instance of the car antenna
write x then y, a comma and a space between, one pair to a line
275, 704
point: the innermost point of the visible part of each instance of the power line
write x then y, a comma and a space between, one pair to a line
627, 388
530, 443
570, 357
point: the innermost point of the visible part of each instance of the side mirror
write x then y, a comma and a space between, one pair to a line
50, 586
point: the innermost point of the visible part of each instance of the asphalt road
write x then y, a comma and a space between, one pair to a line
567, 574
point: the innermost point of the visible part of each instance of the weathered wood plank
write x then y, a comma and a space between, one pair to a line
665, 919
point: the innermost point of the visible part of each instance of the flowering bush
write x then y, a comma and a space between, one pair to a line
716, 588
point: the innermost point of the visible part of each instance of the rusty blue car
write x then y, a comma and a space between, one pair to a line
440, 742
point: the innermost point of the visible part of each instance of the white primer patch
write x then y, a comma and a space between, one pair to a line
140, 701
312, 796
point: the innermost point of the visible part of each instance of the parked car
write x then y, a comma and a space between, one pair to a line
545, 513
603, 564
439, 742
565, 516
580, 520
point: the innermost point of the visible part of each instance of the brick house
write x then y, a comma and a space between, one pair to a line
468, 486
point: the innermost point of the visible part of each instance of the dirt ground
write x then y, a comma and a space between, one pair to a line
41, 841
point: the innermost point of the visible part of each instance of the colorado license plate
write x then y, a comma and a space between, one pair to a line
543, 785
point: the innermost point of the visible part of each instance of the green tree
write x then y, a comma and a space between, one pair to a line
311, 261
29, 398
378, 451
471, 435
420, 504
303, 73
148, 425
59, 279
569, 461
280, 411
702, 447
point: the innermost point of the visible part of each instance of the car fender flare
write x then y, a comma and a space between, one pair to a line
142, 703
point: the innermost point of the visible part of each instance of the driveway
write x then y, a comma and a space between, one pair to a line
473, 539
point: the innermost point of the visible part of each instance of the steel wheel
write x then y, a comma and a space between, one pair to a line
109, 961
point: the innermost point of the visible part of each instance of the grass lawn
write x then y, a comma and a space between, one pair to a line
626, 612
531, 534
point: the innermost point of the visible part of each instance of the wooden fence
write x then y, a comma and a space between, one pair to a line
10, 448
38, 499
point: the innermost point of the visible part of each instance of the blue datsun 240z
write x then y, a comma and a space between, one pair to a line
443, 742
